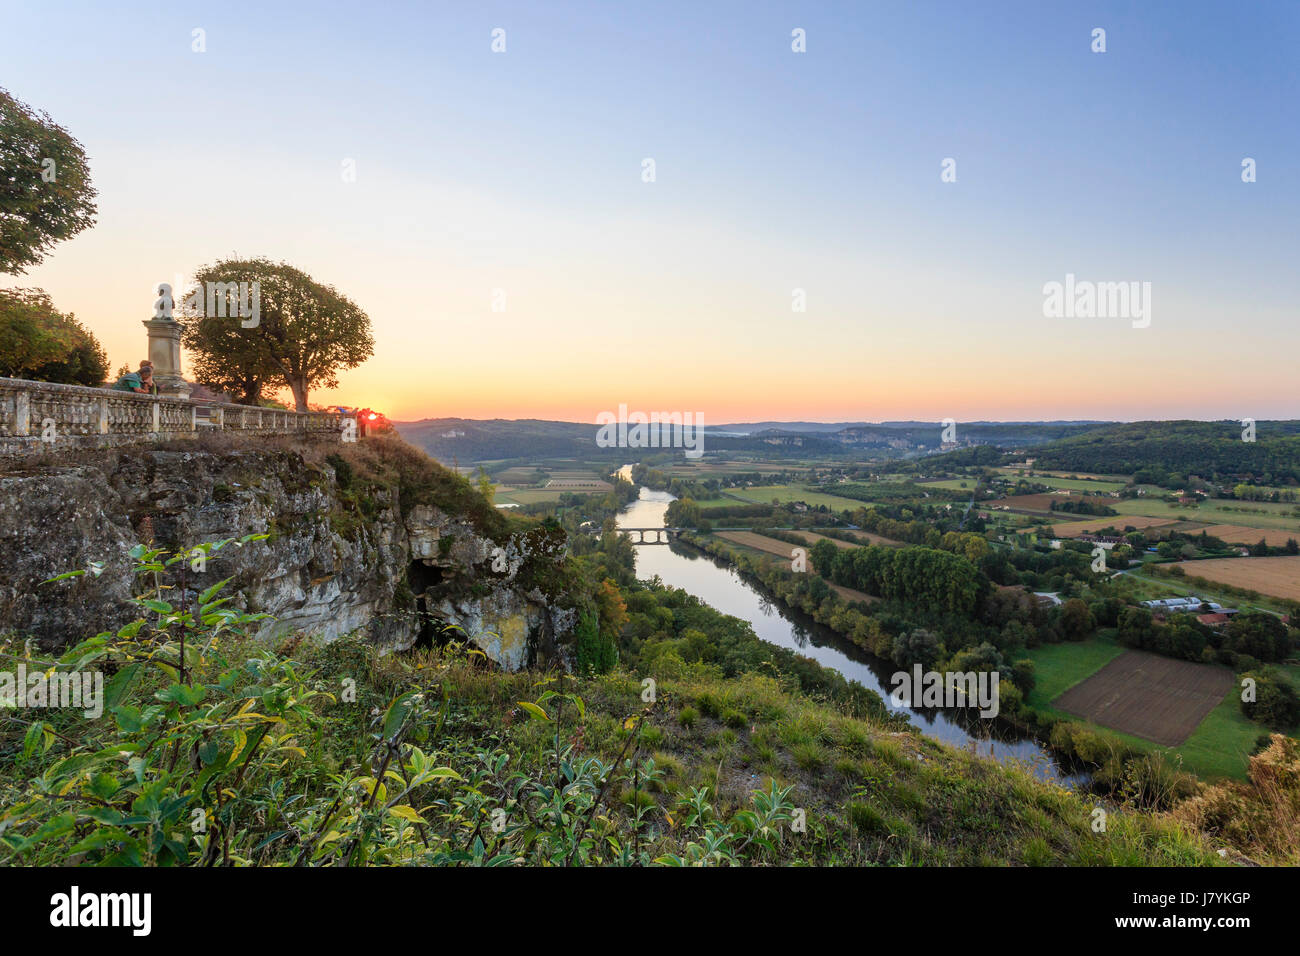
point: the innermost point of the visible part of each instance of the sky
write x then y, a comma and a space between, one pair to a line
515, 263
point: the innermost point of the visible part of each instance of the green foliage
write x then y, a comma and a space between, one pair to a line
45, 190
596, 652
218, 751
1166, 453
40, 343
307, 332
1276, 704
924, 577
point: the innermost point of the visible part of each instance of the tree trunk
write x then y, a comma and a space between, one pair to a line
298, 386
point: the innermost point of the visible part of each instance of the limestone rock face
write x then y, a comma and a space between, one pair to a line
334, 564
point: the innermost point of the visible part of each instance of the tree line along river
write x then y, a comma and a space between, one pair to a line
725, 589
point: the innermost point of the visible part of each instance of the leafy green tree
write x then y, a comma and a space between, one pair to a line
306, 333
823, 556
918, 646
38, 342
1076, 620
595, 651
1276, 703
45, 190
1259, 634
486, 488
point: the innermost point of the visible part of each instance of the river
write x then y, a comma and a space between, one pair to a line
722, 587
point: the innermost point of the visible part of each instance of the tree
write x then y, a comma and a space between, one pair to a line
485, 486
306, 333
918, 646
1259, 634
38, 342
823, 555
1276, 703
1076, 620
45, 190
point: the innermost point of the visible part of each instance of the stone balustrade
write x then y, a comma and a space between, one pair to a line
42, 415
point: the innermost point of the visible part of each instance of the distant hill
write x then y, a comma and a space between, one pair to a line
812, 428
468, 440
1211, 450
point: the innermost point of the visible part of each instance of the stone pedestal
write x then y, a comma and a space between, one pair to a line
165, 353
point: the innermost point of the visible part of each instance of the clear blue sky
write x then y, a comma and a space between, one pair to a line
775, 170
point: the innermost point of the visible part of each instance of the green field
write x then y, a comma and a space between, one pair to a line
527, 496
1078, 484
1218, 748
1058, 667
952, 484
1251, 514
1120, 480
763, 494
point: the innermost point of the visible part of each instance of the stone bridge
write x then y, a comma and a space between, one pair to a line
651, 535
43, 415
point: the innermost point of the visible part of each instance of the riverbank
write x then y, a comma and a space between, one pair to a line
1115, 763
722, 587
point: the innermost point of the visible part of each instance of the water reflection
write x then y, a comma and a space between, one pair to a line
730, 592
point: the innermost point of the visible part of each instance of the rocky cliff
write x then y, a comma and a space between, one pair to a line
373, 537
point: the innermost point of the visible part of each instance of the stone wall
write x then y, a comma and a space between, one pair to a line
38, 416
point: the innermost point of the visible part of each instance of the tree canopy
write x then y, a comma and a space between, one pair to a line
306, 332
38, 342
45, 190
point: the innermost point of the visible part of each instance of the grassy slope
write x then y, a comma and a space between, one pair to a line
872, 795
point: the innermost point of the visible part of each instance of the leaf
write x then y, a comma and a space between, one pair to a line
118, 686
397, 714
63, 577
55, 826
187, 695
33, 738
406, 813
207, 595
536, 711
104, 785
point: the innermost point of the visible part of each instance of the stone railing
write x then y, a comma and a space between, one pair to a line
42, 415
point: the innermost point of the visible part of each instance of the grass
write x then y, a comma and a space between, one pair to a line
1218, 748
1058, 667
1120, 480
528, 496
763, 494
1077, 484
1159, 587
1250, 514
925, 804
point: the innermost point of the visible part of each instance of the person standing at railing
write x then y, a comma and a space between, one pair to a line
147, 366
141, 381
